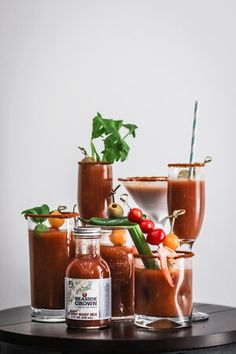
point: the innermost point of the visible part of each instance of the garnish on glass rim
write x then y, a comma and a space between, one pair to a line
134, 221
56, 218
39, 221
43, 209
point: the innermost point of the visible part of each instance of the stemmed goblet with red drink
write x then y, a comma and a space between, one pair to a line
186, 190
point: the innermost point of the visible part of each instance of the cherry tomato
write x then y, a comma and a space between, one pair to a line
135, 215
146, 225
156, 236
171, 241
56, 222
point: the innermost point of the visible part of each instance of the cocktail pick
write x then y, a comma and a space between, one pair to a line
61, 208
114, 209
124, 199
207, 159
174, 216
113, 192
82, 149
75, 220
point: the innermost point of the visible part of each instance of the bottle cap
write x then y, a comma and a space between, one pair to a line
87, 231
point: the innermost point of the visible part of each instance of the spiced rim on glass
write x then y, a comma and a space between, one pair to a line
62, 215
187, 164
94, 163
143, 178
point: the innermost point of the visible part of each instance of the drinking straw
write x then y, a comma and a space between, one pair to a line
191, 159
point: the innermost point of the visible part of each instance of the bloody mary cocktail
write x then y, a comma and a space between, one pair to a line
186, 190
120, 260
156, 300
189, 195
150, 194
94, 188
50, 252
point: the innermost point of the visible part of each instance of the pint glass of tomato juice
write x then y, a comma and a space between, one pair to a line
51, 249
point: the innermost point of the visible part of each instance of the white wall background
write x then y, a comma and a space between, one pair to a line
144, 61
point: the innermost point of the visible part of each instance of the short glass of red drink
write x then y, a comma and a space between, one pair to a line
51, 249
159, 305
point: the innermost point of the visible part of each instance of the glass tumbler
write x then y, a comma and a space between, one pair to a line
159, 305
94, 188
51, 249
118, 251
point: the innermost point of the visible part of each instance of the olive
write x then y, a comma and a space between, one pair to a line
115, 210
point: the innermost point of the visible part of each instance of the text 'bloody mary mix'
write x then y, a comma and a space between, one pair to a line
88, 283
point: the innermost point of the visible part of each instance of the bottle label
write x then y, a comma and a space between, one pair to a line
88, 299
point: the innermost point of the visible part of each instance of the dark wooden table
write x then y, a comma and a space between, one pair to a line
18, 334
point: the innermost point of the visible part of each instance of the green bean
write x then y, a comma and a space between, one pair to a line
122, 221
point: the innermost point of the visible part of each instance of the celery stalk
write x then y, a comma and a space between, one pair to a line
142, 246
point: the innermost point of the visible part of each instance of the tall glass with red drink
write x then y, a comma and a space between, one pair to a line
51, 249
186, 190
94, 188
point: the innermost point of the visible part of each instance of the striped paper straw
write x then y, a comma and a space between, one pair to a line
193, 132
191, 159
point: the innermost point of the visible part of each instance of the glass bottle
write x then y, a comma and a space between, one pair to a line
88, 283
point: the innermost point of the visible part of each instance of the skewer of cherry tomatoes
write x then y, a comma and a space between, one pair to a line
155, 236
